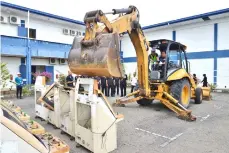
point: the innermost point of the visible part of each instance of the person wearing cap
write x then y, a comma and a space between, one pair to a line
19, 84
153, 57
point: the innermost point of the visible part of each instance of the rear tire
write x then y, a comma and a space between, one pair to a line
181, 91
199, 96
143, 101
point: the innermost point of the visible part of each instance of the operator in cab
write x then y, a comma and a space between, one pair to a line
153, 58
161, 63
162, 58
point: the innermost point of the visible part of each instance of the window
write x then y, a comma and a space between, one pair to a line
174, 59
23, 60
22, 23
32, 33
184, 64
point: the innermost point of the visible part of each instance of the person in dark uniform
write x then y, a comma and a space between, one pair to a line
195, 78
123, 86
117, 83
76, 77
110, 83
113, 87
69, 79
205, 81
103, 81
99, 82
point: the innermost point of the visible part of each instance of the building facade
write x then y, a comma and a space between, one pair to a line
34, 41
206, 37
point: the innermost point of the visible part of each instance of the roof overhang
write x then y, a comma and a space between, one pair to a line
196, 18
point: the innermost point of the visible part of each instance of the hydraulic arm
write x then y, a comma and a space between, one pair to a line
97, 53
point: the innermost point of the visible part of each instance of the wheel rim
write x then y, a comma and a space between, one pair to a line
185, 95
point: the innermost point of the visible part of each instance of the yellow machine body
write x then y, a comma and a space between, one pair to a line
97, 54
182, 73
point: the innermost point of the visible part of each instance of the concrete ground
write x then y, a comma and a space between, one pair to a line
154, 128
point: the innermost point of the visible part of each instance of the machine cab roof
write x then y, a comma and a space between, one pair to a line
162, 44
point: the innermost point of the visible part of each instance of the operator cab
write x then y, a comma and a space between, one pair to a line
174, 59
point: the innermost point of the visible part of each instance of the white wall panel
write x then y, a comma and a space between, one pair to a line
203, 66
45, 29
223, 36
160, 34
58, 68
127, 48
130, 68
13, 64
40, 61
222, 72
7, 28
50, 31
197, 39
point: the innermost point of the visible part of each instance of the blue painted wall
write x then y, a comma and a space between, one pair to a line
16, 46
22, 31
194, 55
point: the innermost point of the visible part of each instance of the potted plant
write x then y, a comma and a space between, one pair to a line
47, 75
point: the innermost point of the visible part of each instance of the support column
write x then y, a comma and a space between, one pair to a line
28, 66
215, 50
174, 35
28, 55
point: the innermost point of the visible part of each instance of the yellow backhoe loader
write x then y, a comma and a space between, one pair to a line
97, 54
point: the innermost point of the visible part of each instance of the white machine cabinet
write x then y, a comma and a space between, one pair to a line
95, 121
68, 118
60, 100
40, 88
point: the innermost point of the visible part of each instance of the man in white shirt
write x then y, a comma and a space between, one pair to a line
134, 81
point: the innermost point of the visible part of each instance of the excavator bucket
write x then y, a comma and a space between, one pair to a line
96, 57
206, 93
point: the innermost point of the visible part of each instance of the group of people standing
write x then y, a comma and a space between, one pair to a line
108, 85
204, 81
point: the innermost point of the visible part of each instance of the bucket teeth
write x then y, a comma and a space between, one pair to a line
187, 116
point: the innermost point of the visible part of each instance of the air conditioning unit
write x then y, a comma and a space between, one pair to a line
63, 61
4, 19
15, 20
72, 32
66, 31
52, 61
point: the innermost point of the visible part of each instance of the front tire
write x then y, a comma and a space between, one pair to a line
199, 96
181, 91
